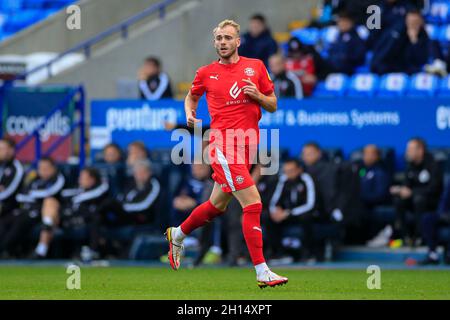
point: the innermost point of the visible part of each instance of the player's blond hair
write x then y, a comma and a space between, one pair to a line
226, 23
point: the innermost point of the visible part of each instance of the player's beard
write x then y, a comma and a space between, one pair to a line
228, 55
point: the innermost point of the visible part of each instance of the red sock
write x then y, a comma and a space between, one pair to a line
200, 216
251, 227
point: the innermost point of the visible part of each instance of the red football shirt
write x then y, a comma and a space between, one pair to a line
228, 106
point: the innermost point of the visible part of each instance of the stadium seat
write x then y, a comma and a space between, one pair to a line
439, 12
444, 87
433, 31
393, 85
335, 85
363, 32
333, 154
363, 85
422, 85
11, 5
329, 35
308, 36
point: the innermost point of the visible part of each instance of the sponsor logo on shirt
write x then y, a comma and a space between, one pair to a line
235, 90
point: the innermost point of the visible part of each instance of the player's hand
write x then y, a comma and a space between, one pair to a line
142, 74
191, 120
251, 90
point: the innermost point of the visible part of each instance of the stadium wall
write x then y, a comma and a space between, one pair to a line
52, 34
183, 41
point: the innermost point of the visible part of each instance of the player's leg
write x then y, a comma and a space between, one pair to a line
201, 215
50, 218
250, 201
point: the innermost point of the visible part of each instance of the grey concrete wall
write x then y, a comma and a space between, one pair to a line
183, 41
53, 35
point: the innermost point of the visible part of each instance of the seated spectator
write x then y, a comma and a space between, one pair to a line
138, 206
154, 84
293, 204
80, 207
11, 176
420, 192
374, 178
407, 48
39, 203
300, 61
112, 168
349, 50
430, 224
136, 152
112, 154
286, 83
393, 13
258, 42
325, 174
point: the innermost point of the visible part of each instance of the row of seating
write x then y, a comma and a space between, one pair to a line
16, 15
389, 85
12, 6
328, 35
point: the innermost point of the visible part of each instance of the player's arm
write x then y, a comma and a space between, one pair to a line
190, 107
267, 102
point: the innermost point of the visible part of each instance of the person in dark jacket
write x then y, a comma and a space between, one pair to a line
39, 203
420, 192
293, 204
374, 178
11, 177
258, 41
325, 174
154, 84
136, 207
286, 83
349, 50
406, 47
80, 206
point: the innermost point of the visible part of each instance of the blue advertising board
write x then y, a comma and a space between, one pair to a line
345, 123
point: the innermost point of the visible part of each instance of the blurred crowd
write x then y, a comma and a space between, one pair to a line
399, 44
317, 203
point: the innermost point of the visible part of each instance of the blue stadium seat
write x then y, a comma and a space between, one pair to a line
433, 31
335, 85
393, 85
439, 12
422, 85
309, 36
329, 35
444, 87
363, 32
363, 85
11, 5
444, 34
21, 20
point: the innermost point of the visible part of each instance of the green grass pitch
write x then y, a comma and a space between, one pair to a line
217, 283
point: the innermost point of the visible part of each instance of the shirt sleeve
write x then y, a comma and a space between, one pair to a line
198, 85
265, 82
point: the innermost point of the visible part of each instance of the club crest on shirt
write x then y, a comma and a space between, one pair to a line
239, 179
249, 72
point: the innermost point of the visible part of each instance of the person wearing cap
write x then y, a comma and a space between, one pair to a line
300, 61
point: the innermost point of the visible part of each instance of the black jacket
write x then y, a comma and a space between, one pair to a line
425, 179
11, 177
141, 202
156, 87
287, 85
347, 53
298, 196
32, 195
325, 175
261, 47
80, 206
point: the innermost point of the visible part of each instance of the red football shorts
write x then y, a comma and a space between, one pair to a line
232, 168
